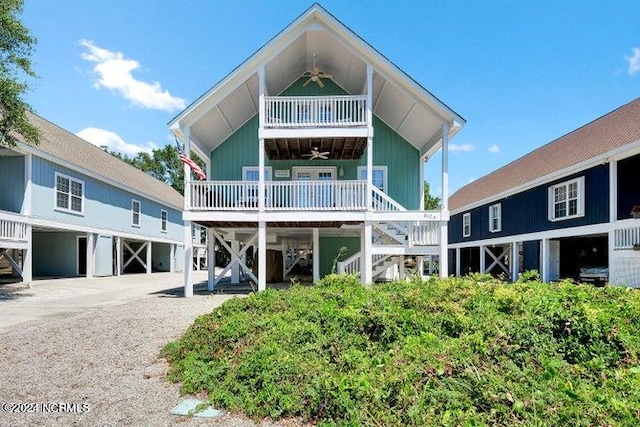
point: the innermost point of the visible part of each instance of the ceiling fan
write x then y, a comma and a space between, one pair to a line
315, 154
316, 75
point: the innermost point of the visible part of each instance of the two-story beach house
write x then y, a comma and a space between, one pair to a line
315, 143
68, 208
565, 209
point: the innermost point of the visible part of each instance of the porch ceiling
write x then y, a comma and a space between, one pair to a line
404, 105
294, 149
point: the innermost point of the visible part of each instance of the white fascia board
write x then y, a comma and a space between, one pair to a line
617, 154
585, 230
390, 71
66, 164
242, 72
362, 132
404, 250
13, 244
63, 226
395, 216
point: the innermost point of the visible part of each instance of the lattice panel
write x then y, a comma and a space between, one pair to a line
624, 268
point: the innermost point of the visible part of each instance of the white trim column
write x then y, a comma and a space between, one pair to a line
235, 267
211, 258
316, 254
172, 257
188, 260
444, 238
149, 258
366, 267
613, 210
421, 201
483, 261
187, 172
544, 260
369, 110
515, 261
119, 255
90, 255
28, 172
457, 262
27, 257
261, 117
262, 255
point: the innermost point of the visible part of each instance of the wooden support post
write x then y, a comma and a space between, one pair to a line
444, 239
262, 256
458, 268
188, 260
483, 263
211, 258
27, 257
149, 257
90, 254
514, 261
316, 254
118, 271
366, 267
235, 268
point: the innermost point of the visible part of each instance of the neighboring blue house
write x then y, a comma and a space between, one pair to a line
561, 209
68, 208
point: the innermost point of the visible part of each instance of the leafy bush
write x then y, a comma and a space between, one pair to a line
438, 352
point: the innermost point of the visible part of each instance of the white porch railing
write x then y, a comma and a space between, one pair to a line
424, 233
315, 111
382, 202
627, 235
351, 265
315, 195
12, 227
279, 195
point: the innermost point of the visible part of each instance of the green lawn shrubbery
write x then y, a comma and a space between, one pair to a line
469, 351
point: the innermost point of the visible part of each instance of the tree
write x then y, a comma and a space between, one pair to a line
430, 202
16, 46
162, 163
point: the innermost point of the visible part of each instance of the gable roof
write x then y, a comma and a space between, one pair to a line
612, 131
402, 103
64, 146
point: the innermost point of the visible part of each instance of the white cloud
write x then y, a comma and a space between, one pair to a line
114, 72
465, 148
634, 61
494, 148
101, 138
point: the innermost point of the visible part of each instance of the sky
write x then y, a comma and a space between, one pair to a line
521, 73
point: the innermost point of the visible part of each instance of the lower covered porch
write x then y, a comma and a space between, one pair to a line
262, 253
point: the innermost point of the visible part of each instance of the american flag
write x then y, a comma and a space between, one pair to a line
193, 165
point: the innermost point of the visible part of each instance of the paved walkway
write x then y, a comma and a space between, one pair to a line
49, 300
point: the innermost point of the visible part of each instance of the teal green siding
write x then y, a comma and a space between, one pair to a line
330, 247
389, 149
313, 89
403, 164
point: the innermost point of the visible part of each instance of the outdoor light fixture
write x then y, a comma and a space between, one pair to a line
341, 171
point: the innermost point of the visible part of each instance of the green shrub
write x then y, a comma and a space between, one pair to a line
438, 352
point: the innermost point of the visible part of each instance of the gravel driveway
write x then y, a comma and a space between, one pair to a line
106, 358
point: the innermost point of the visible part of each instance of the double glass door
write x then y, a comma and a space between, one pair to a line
315, 189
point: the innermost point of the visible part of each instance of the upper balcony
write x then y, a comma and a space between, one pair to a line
338, 111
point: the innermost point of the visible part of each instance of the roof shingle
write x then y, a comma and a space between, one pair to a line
64, 145
609, 132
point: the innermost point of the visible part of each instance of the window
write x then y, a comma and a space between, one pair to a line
251, 173
378, 176
466, 225
135, 213
495, 218
69, 194
566, 200
163, 220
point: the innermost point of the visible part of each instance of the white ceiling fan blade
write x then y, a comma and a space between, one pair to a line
320, 83
325, 76
307, 82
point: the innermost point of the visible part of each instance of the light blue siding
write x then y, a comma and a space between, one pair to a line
11, 183
104, 256
105, 206
55, 254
